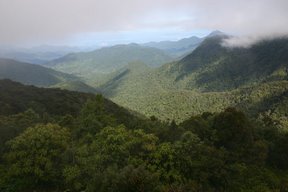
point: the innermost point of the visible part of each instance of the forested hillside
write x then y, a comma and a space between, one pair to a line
211, 78
143, 96
40, 76
83, 142
182, 47
75, 86
109, 59
213, 67
31, 74
177, 48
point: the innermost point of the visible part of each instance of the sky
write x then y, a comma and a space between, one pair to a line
106, 22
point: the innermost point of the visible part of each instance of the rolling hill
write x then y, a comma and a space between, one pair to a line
40, 76
109, 59
177, 48
31, 74
18, 98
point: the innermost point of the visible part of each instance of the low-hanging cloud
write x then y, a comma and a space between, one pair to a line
46, 20
242, 41
249, 40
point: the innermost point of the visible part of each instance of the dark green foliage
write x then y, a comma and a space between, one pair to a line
18, 98
233, 130
202, 126
31, 74
103, 147
34, 157
127, 179
11, 126
279, 156
93, 116
207, 52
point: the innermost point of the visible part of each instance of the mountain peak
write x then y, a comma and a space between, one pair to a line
216, 33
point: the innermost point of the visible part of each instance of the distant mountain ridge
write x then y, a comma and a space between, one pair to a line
109, 59
31, 74
38, 55
176, 48
183, 46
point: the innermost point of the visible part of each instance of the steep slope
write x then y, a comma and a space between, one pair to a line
131, 73
147, 94
212, 67
16, 98
109, 59
252, 79
31, 74
23, 106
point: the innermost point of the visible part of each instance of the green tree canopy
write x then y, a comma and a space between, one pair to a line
35, 156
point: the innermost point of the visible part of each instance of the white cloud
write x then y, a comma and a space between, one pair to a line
46, 20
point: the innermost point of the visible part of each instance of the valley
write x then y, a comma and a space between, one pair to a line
132, 111
143, 96
211, 78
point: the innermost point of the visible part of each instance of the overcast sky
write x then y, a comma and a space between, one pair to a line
91, 22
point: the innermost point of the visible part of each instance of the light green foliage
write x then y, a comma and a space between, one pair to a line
163, 161
112, 148
150, 94
109, 59
211, 78
35, 156
115, 145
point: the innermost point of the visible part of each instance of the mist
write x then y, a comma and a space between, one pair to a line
64, 21
249, 40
